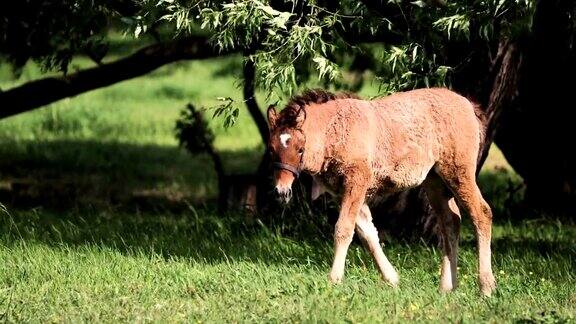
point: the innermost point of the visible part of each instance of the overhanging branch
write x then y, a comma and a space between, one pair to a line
37, 93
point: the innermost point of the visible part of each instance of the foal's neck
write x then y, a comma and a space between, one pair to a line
315, 129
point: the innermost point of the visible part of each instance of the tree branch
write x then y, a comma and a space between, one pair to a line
503, 92
41, 92
250, 99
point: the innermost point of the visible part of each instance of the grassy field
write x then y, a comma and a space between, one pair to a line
197, 267
106, 219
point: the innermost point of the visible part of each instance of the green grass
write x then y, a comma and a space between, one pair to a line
99, 225
197, 267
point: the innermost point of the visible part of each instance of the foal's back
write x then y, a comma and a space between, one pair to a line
405, 135
437, 118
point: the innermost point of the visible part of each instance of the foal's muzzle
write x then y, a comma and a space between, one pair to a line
283, 194
285, 175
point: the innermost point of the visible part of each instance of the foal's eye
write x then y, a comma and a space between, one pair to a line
301, 150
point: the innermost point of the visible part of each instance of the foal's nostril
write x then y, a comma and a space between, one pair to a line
283, 194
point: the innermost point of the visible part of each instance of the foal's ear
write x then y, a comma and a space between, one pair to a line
300, 118
272, 116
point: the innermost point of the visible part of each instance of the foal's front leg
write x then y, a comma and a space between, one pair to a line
355, 186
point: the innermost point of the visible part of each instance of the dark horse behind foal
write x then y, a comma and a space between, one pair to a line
363, 150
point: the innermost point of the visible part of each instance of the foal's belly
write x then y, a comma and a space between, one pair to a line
401, 178
384, 183
405, 169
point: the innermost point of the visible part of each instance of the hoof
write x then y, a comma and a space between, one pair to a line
447, 284
392, 279
446, 288
487, 284
335, 278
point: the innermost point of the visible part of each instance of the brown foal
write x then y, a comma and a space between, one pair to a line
363, 150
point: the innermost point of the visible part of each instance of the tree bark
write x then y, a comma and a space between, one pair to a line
37, 93
503, 94
536, 136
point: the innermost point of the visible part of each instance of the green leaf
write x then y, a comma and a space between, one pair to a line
269, 10
414, 53
419, 3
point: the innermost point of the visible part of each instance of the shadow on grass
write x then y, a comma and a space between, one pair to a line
200, 236
74, 174
137, 198
60, 175
517, 245
205, 237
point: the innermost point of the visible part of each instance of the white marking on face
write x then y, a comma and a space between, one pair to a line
284, 139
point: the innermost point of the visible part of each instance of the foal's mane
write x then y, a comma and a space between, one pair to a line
310, 96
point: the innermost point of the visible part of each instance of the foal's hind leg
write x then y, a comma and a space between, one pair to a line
448, 229
368, 233
466, 191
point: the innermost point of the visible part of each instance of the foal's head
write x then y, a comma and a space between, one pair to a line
286, 146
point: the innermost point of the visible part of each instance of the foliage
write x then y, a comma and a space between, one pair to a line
52, 32
227, 111
287, 38
406, 44
192, 131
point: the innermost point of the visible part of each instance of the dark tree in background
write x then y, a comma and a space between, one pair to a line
516, 58
536, 127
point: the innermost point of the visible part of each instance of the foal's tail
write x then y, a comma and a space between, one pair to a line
481, 116
483, 123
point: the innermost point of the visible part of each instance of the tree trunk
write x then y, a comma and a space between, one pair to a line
250, 99
536, 136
